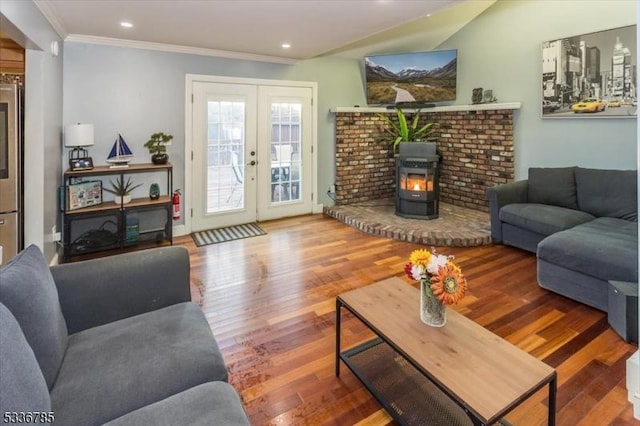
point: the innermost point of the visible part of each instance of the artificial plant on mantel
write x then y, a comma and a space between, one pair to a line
403, 131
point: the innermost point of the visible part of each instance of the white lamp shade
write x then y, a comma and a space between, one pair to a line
78, 135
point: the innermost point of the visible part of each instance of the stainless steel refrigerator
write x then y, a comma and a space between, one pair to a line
11, 232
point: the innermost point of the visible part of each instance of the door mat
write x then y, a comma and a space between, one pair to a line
229, 233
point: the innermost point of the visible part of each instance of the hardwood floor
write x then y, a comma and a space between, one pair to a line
270, 301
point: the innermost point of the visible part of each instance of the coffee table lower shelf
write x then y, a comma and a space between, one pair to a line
405, 393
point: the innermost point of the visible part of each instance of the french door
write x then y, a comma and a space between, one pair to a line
252, 152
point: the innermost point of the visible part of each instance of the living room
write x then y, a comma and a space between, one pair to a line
498, 49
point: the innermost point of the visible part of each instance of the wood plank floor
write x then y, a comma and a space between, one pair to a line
270, 301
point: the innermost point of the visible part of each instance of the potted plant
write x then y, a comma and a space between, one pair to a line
405, 131
157, 146
122, 190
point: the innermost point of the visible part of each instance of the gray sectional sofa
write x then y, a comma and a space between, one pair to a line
113, 341
582, 224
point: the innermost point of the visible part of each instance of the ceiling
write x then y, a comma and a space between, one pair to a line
258, 28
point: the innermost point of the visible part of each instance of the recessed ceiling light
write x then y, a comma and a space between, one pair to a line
126, 24
286, 45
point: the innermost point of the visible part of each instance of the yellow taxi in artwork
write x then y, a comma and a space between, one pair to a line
588, 105
614, 103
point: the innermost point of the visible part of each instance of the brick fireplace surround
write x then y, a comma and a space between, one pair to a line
475, 143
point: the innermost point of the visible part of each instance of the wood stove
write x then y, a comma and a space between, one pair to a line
417, 181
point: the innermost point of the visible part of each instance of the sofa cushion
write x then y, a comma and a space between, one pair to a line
23, 385
605, 248
555, 186
542, 218
27, 289
213, 403
610, 193
119, 367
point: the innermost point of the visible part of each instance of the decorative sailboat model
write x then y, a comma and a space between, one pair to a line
120, 154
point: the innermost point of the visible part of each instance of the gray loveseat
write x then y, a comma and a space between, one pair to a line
582, 224
112, 341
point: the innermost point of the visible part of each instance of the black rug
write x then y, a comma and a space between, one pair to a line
229, 233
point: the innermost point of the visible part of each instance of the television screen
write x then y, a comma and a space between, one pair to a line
423, 77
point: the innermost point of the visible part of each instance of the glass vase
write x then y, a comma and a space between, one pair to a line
432, 310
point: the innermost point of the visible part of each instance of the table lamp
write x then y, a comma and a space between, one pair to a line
77, 136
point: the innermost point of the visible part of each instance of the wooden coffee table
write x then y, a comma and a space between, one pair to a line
458, 374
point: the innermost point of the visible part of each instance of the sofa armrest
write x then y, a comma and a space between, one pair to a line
100, 291
501, 195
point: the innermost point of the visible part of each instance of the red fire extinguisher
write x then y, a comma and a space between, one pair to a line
176, 204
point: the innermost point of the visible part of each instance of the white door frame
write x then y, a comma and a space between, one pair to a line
188, 141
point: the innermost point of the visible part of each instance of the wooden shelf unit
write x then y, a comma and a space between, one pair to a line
97, 240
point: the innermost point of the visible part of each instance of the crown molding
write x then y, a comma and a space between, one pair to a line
50, 16
173, 48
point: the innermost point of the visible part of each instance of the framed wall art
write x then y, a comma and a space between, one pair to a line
591, 75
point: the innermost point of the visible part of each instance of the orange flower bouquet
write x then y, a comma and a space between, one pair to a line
441, 283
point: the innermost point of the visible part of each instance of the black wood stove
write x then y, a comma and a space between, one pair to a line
417, 181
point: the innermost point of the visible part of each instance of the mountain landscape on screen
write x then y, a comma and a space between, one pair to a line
414, 77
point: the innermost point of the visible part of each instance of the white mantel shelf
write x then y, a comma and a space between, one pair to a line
475, 107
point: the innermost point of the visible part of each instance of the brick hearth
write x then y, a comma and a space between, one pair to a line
456, 226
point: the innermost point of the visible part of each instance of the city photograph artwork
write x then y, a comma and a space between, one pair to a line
591, 75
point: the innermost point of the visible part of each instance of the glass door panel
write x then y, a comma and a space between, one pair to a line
225, 156
285, 151
224, 150
285, 131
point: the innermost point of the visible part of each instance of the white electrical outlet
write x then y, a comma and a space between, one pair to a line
332, 189
55, 235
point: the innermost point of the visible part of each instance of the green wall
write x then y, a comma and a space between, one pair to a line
340, 83
501, 50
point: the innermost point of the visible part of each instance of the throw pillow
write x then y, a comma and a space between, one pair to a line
27, 289
555, 186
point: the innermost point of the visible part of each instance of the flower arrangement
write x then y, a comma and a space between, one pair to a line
443, 279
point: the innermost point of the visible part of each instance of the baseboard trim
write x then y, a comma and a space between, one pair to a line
179, 231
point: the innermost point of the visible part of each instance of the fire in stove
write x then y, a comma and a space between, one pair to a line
415, 182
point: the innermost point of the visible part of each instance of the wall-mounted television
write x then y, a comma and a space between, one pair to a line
407, 78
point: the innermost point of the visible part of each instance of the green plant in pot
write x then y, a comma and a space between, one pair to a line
157, 146
405, 129
122, 190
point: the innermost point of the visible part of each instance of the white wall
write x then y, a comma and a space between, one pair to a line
43, 118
